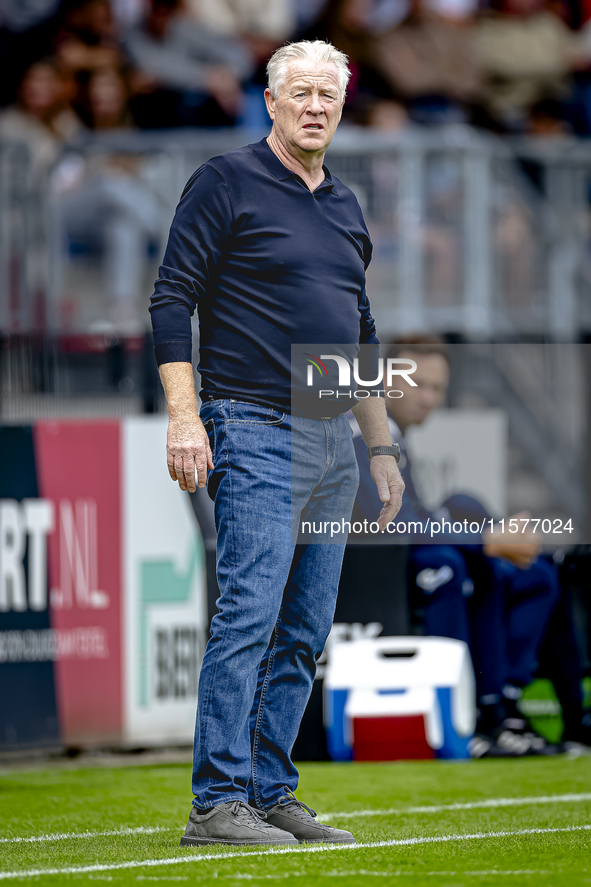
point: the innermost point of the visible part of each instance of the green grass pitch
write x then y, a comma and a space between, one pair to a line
422, 824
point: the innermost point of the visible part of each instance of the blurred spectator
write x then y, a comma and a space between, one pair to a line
417, 52
106, 206
192, 76
351, 25
428, 61
103, 101
527, 53
261, 26
128, 13
42, 116
308, 12
496, 595
43, 119
440, 212
373, 16
18, 17
88, 37
515, 240
382, 114
264, 25
441, 229
26, 35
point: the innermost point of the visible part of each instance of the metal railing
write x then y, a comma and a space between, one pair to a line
471, 234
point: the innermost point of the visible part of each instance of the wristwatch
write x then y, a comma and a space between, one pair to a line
394, 450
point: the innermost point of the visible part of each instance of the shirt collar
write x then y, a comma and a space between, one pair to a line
273, 165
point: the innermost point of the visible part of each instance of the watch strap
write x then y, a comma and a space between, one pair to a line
393, 450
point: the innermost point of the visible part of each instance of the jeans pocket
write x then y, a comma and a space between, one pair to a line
254, 414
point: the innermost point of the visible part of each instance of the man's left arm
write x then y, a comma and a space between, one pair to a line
373, 422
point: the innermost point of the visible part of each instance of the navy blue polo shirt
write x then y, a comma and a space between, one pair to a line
268, 263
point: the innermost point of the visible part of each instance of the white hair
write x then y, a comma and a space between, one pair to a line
312, 50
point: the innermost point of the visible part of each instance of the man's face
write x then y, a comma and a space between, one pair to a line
432, 378
308, 107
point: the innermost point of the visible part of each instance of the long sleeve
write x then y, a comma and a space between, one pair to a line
268, 263
197, 245
367, 325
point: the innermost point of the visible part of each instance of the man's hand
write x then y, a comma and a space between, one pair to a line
187, 444
187, 449
522, 553
373, 421
386, 476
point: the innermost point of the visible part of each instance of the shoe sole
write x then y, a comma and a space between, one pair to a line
187, 841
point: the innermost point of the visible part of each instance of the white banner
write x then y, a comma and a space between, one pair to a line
449, 452
165, 614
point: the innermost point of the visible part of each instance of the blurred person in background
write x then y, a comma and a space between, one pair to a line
440, 210
308, 14
105, 203
263, 25
88, 38
495, 595
528, 54
103, 99
43, 119
128, 13
192, 76
417, 52
385, 115
352, 21
428, 60
515, 242
349, 24
260, 25
562, 662
26, 35
42, 115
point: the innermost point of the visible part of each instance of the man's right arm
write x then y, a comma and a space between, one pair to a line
187, 444
196, 247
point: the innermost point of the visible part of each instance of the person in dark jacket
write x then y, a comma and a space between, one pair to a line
495, 596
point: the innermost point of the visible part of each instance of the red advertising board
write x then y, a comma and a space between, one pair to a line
79, 465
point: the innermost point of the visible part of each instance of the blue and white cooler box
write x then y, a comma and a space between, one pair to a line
399, 698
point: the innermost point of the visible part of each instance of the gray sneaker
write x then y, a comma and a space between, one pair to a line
293, 816
233, 823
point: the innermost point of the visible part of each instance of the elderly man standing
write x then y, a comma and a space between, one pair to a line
273, 251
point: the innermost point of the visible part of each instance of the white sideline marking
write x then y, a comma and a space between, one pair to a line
324, 817
139, 830
242, 876
473, 805
365, 872
279, 851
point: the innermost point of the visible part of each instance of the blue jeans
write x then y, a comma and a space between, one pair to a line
277, 598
